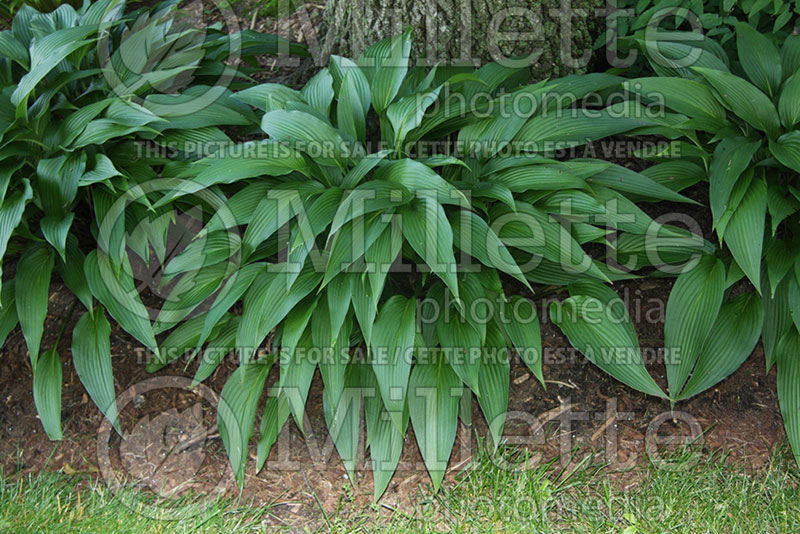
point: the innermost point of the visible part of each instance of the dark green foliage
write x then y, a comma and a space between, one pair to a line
78, 100
742, 121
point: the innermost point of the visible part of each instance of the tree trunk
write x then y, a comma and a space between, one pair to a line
553, 37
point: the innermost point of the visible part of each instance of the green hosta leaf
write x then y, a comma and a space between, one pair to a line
789, 103
276, 412
380, 258
362, 168
735, 334
318, 92
759, 58
597, 324
744, 234
343, 417
676, 175
573, 128
55, 231
461, 343
32, 285
522, 326
71, 271
421, 180
745, 100
236, 414
191, 290
100, 131
47, 392
8, 311
777, 318
310, 224
623, 179
407, 113
392, 343
789, 387
538, 178
210, 249
216, 350
786, 149
780, 257
731, 157
426, 228
11, 210
350, 113
487, 137
306, 132
91, 355
269, 96
339, 293
271, 213
268, 300
263, 158
692, 308
11, 48
473, 305
57, 180
368, 197
780, 204
39, 69
668, 58
383, 436
180, 341
790, 55
340, 68
118, 295
687, 97
234, 288
473, 236
494, 381
239, 208
293, 329
333, 359
794, 300
365, 307
297, 371
386, 65
350, 243
536, 232
434, 394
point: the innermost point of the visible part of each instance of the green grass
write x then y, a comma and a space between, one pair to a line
691, 495
54, 502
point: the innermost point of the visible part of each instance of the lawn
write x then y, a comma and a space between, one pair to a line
495, 494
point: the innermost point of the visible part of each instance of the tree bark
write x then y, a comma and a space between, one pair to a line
553, 37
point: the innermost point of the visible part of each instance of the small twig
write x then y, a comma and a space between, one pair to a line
603, 428
560, 383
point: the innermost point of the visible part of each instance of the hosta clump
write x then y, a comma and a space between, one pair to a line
676, 26
78, 97
400, 277
742, 131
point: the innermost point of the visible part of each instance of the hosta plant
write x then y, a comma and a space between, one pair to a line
78, 97
404, 276
739, 125
676, 24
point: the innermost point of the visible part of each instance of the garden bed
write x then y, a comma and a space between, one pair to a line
738, 416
